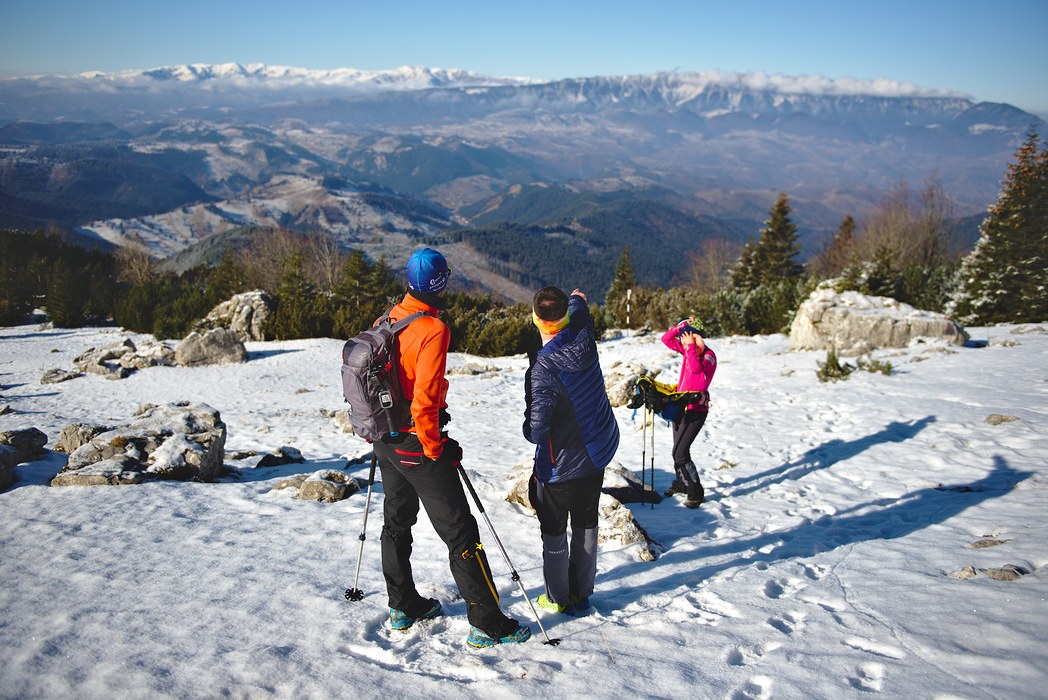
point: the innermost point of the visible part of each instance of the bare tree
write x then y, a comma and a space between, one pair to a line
325, 259
711, 265
263, 259
912, 227
134, 264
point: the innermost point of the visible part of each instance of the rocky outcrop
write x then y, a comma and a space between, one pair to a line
244, 314
180, 441
116, 360
282, 455
73, 436
16, 447
325, 485
57, 376
854, 324
220, 346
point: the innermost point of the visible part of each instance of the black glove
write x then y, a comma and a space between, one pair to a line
450, 454
636, 401
443, 417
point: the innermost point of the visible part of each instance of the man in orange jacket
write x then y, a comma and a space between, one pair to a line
421, 464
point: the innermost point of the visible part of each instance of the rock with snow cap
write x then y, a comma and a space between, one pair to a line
853, 324
179, 441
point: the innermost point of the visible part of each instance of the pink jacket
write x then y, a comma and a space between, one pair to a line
696, 372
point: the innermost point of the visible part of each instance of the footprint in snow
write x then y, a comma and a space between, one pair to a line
869, 675
789, 623
710, 608
756, 688
815, 572
748, 656
782, 587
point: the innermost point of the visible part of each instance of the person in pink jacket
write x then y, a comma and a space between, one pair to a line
696, 373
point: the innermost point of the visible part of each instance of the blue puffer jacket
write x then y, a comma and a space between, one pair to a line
568, 415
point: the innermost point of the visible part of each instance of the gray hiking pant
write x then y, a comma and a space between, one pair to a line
569, 566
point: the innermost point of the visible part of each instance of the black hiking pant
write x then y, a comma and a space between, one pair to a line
407, 479
686, 428
569, 569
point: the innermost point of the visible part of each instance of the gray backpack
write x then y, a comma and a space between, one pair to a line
371, 380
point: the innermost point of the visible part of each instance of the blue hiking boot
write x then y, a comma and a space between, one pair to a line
399, 620
581, 605
548, 604
479, 639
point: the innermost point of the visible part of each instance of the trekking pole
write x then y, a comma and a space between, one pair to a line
514, 575
653, 458
355, 593
643, 444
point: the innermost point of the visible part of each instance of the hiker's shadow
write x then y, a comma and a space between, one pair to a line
885, 518
828, 454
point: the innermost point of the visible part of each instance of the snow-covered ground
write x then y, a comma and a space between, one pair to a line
820, 566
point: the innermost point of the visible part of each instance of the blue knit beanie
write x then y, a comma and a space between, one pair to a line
428, 271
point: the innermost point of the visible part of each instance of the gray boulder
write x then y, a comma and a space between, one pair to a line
244, 314
282, 455
73, 436
56, 376
179, 441
116, 360
215, 347
326, 485
854, 324
16, 447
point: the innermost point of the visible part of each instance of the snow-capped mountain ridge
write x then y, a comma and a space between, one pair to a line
681, 86
420, 95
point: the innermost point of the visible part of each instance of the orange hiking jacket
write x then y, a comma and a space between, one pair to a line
423, 355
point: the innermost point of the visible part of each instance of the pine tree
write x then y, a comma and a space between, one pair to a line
777, 247
773, 257
225, 280
616, 297
297, 312
743, 272
1005, 278
64, 302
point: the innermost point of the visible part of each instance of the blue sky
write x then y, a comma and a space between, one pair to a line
993, 50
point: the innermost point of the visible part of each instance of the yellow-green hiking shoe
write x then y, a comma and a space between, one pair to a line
548, 604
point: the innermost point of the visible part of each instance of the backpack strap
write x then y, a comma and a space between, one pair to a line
404, 322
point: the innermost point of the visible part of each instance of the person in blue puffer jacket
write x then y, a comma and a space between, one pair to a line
569, 419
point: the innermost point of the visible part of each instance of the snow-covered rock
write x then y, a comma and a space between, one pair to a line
116, 360
173, 441
854, 324
326, 485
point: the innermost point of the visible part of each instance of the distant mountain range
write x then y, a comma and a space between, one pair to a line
381, 158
